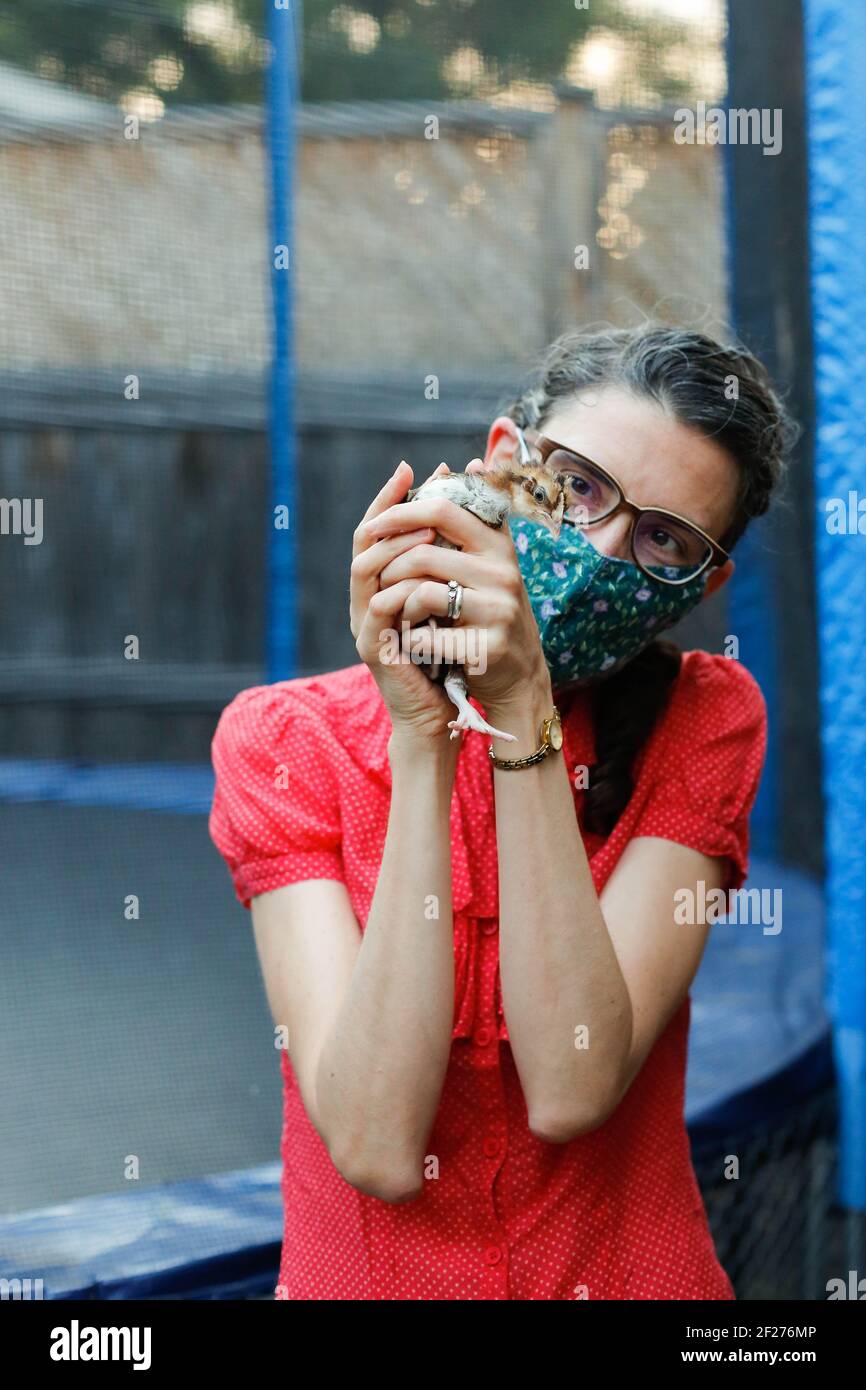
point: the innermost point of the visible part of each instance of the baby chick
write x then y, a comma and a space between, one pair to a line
493, 493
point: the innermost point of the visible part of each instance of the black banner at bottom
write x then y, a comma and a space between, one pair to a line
64, 1338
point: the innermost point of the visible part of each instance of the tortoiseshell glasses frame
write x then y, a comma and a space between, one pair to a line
715, 554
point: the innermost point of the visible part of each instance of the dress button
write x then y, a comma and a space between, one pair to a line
493, 1254
491, 1146
482, 1037
489, 927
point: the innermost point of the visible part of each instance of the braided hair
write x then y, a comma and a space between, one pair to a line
690, 375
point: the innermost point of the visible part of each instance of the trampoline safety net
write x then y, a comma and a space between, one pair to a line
452, 166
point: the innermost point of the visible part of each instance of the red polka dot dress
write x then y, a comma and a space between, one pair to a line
302, 792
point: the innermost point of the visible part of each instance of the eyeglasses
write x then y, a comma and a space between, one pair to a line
665, 546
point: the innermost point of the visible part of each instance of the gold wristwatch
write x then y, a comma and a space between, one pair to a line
551, 741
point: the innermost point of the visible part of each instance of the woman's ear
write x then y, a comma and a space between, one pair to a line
718, 578
502, 441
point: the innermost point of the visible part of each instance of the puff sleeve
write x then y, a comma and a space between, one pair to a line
275, 816
704, 761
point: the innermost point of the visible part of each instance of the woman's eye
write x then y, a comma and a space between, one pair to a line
582, 488
665, 542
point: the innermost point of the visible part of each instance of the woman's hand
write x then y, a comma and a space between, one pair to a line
419, 709
511, 662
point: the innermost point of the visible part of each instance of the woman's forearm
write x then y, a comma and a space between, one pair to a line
564, 996
381, 1072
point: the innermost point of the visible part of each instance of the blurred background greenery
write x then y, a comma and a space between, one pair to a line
635, 52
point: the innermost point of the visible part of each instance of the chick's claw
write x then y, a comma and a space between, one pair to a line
467, 715
471, 719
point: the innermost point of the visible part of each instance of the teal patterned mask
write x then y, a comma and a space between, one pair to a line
594, 612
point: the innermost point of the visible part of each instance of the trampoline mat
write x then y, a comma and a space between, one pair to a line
760, 1035
151, 1041
147, 1039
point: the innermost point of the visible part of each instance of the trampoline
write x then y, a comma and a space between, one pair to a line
114, 1070
182, 388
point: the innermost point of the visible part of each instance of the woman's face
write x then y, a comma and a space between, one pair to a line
657, 460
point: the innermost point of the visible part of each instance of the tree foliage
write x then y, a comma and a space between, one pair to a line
187, 51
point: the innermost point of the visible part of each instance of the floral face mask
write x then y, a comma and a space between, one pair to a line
594, 612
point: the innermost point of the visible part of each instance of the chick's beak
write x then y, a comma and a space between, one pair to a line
553, 519
553, 522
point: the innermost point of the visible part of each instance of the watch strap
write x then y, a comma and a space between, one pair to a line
513, 764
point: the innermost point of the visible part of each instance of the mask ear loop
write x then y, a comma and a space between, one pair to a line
525, 455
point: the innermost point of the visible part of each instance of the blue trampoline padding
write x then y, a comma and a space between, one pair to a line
760, 1038
835, 33
215, 1237
183, 788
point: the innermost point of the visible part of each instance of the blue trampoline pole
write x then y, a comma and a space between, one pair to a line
835, 63
281, 97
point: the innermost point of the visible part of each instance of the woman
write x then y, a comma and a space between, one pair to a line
476, 969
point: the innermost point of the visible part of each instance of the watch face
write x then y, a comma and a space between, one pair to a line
556, 735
